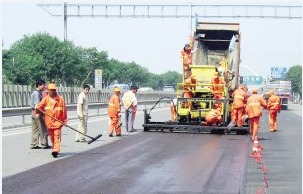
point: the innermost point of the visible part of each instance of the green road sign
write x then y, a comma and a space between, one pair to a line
252, 80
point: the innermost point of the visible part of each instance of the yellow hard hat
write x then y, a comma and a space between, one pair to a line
193, 77
271, 92
255, 91
52, 86
117, 89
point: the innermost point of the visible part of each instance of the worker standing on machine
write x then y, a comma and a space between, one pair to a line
274, 107
254, 111
188, 86
217, 87
188, 89
186, 55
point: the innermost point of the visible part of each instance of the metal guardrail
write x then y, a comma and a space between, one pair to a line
8, 112
26, 111
17, 96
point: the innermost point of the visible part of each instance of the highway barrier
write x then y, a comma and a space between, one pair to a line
14, 96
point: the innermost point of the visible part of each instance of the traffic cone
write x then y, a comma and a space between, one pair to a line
255, 146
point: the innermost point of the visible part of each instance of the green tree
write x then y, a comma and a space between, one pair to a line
171, 78
42, 56
90, 60
32, 58
294, 74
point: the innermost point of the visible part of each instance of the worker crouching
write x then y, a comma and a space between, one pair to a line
213, 117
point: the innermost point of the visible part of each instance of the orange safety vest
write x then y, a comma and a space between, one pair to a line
54, 107
217, 89
189, 81
240, 98
213, 115
274, 103
186, 58
254, 106
188, 93
114, 106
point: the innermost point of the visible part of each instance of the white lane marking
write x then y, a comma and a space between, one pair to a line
19, 131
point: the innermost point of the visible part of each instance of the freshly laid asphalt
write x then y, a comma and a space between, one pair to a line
158, 162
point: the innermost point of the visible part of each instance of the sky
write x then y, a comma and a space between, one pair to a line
155, 43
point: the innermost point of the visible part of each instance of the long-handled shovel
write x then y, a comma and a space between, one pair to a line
89, 142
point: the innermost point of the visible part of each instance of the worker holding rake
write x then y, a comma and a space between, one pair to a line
53, 105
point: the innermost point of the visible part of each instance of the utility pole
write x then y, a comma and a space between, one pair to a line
65, 20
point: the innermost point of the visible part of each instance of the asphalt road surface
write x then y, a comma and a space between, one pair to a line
158, 162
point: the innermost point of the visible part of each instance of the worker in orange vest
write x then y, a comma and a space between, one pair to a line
186, 55
217, 87
113, 113
274, 107
213, 117
173, 109
238, 106
254, 111
188, 88
55, 116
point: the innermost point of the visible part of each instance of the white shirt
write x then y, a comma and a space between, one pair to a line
129, 99
82, 105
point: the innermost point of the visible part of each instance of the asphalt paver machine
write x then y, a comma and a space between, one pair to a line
216, 48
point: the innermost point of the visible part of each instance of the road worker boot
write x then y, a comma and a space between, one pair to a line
55, 154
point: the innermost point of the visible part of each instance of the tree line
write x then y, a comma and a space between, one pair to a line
42, 56
294, 74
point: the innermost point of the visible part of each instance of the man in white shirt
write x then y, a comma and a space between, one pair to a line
130, 102
82, 112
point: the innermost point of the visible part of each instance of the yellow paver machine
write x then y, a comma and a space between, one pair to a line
215, 48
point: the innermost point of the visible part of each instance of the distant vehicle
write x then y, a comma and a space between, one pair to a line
282, 89
168, 88
121, 86
145, 89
